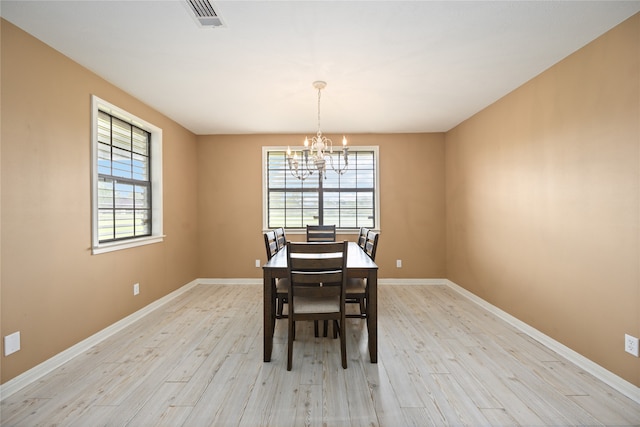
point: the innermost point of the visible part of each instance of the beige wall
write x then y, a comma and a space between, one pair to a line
543, 201
53, 290
412, 203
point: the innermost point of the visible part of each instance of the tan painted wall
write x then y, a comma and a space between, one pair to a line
543, 201
412, 203
53, 290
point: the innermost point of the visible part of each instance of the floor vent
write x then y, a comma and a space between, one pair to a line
204, 13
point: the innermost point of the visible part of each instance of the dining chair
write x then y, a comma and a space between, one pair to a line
281, 238
356, 291
371, 244
282, 284
317, 282
362, 237
270, 243
321, 233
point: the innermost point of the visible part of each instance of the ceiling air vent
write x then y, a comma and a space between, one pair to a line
204, 13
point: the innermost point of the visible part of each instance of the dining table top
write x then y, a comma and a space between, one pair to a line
356, 259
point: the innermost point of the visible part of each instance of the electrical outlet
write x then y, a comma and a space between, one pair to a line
258, 263
11, 343
136, 288
631, 345
398, 263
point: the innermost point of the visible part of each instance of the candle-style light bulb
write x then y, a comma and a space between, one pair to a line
288, 151
306, 141
344, 141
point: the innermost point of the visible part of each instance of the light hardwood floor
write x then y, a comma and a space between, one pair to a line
197, 361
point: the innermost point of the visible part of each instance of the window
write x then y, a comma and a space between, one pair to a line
127, 185
349, 201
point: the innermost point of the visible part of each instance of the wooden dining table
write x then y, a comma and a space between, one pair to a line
358, 265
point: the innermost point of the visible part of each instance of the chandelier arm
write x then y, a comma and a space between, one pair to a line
306, 161
299, 176
298, 173
341, 170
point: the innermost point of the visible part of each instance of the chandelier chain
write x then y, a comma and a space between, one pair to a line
319, 94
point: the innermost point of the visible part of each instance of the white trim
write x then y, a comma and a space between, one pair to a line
125, 244
608, 377
421, 282
384, 282
37, 372
230, 281
156, 178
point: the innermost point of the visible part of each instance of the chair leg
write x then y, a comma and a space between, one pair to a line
292, 330
326, 327
343, 342
273, 324
273, 317
280, 307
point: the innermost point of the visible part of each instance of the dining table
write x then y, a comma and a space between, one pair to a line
359, 265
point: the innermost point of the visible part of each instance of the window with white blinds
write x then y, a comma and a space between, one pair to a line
349, 201
127, 185
124, 180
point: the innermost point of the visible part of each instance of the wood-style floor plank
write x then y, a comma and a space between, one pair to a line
197, 361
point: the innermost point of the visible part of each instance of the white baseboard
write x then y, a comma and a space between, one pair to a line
429, 282
230, 281
254, 281
38, 371
608, 377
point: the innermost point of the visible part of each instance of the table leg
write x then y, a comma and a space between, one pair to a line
269, 321
372, 314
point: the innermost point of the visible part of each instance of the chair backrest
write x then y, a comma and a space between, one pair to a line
312, 264
281, 239
371, 244
321, 233
362, 237
270, 243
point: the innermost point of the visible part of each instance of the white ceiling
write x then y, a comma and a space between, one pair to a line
390, 66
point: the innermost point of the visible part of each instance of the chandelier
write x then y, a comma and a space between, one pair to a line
318, 153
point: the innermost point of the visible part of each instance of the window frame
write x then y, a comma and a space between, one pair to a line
296, 230
97, 247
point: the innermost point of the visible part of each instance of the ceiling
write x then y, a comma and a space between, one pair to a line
390, 66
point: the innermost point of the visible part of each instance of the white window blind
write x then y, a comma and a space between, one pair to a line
349, 201
124, 183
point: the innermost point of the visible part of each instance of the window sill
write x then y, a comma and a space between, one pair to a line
125, 244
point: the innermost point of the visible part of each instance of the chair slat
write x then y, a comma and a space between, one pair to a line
321, 233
